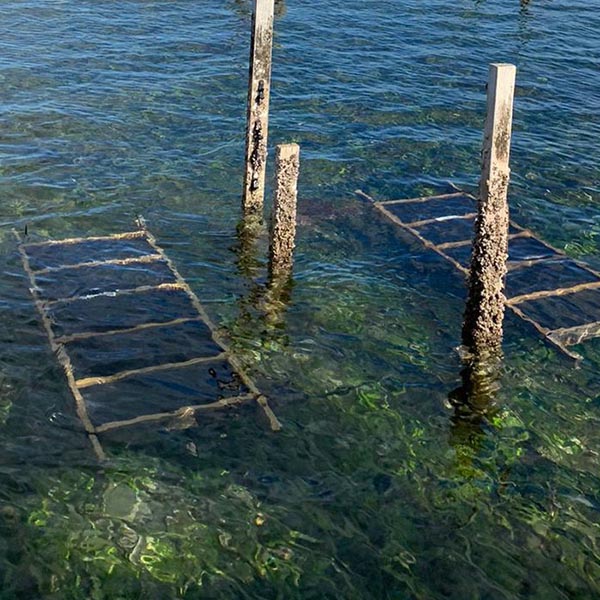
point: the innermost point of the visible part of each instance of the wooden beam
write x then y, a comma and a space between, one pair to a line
85, 335
128, 235
570, 336
180, 413
103, 380
115, 262
574, 289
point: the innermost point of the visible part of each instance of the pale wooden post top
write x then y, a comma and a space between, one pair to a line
264, 10
498, 125
503, 66
285, 151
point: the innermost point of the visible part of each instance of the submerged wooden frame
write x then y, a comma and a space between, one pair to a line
59, 343
561, 337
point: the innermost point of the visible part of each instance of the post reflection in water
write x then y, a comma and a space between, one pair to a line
249, 231
262, 307
475, 403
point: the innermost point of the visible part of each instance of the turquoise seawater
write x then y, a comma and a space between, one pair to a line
376, 487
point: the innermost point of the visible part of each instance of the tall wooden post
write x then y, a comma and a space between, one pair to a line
283, 218
259, 87
484, 314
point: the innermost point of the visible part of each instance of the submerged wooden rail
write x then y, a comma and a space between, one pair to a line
557, 295
129, 362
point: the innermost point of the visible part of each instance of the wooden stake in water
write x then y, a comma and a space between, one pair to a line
283, 218
257, 125
484, 314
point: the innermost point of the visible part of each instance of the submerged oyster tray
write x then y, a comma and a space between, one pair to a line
558, 296
135, 343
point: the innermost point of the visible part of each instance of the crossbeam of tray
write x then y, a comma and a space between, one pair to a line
134, 340
557, 295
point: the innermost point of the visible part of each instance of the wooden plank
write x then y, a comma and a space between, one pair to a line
515, 265
555, 292
91, 381
179, 413
138, 290
117, 262
75, 337
63, 358
128, 235
571, 336
441, 220
257, 122
418, 199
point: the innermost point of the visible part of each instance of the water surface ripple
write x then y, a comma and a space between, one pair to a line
382, 484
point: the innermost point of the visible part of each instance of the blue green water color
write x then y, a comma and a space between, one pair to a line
376, 487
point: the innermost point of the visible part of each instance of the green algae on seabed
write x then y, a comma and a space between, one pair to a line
145, 535
348, 526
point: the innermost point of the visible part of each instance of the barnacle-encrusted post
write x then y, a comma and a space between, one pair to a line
283, 218
484, 314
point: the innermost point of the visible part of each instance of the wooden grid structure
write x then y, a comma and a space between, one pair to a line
134, 340
557, 295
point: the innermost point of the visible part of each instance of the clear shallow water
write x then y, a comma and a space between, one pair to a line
374, 489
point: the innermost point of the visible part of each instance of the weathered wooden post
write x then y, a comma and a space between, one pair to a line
283, 217
257, 124
484, 314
